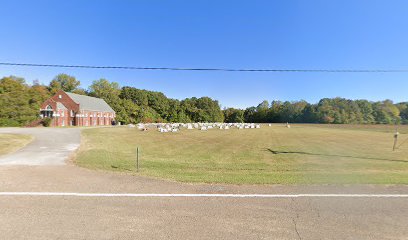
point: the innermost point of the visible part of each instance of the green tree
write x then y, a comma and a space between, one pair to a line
261, 112
403, 107
366, 109
104, 89
80, 91
309, 114
126, 110
155, 106
202, 109
386, 112
64, 82
18, 104
249, 114
292, 111
274, 112
233, 115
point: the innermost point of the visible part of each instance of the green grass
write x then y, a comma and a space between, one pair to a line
303, 154
12, 142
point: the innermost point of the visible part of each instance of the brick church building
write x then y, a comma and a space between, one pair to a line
70, 109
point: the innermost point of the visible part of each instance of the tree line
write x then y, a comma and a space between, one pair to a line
20, 103
327, 110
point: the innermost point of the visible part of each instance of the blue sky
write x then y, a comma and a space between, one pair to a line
289, 34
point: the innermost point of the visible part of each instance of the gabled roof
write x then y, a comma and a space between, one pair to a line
90, 103
60, 106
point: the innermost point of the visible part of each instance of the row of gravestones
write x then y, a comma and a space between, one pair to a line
175, 127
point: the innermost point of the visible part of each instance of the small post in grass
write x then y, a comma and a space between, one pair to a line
137, 159
395, 141
395, 136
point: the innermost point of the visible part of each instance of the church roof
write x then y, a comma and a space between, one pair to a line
90, 103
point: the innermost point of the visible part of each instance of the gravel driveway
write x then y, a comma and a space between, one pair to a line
51, 146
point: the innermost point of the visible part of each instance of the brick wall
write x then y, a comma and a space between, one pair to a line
73, 115
94, 118
63, 98
61, 118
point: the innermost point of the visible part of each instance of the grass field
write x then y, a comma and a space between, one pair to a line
302, 154
12, 142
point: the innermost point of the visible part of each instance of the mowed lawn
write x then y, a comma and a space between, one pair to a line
12, 142
302, 154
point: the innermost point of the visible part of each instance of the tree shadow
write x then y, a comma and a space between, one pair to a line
335, 155
118, 167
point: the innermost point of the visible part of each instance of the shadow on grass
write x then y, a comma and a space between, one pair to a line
335, 155
117, 167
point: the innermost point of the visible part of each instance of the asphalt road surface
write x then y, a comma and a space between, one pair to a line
51, 146
53, 216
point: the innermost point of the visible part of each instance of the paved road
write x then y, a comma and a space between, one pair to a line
51, 146
72, 217
169, 218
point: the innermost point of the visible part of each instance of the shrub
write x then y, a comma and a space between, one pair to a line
9, 123
46, 122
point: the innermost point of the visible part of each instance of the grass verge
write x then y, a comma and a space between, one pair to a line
12, 142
